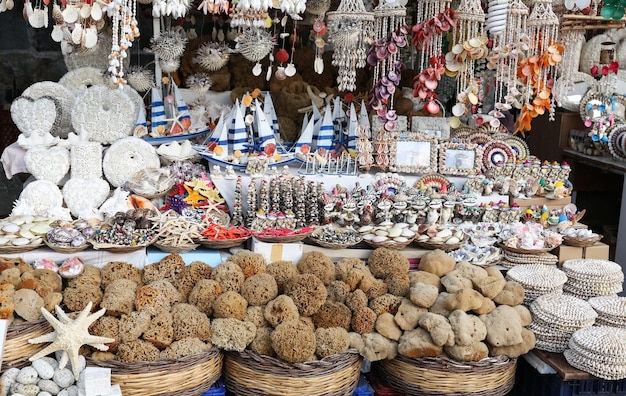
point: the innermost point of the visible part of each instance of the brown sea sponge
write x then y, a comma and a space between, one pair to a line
40, 287
133, 325
137, 351
107, 326
203, 295
356, 300
14, 262
120, 270
330, 341
373, 287
282, 271
230, 304
318, 264
387, 326
229, 275
255, 314
363, 320
185, 347
188, 321
76, 298
249, 262
52, 300
308, 293
280, 309
119, 297
408, 314
437, 262
231, 334
384, 262
151, 300
91, 275
191, 274
262, 343
160, 333
293, 341
345, 265
259, 289
418, 343
398, 284
385, 303
50, 278
168, 289
168, 268
337, 291
332, 314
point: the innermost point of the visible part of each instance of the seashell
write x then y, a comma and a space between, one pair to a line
407, 233
452, 240
379, 238
45, 263
4, 241
366, 228
395, 232
386, 223
400, 239
459, 234
90, 37
85, 11
414, 228
369, 237
71, 267
70, 15
436, 239
445, 233
11, 237
381, 233
431, 231
20, 241
25, 233
96, 11
423, 238
11, 228
402, 225
36, 241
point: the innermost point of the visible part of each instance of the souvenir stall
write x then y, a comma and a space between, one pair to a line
311, 197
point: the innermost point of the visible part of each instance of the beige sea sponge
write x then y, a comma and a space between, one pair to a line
262, 343
168, 268
470, 271
356, 300
137, 351
363, 320
375, 347
119, 297
398, 284
318, 264
468, 329
11, 275
230, 304
150, 299
91, 275
464, 299
50, 278
524, 314
438, 327
331, 341
133, 325
487, 306
203, 295
282, 271
512, 294
504, 327
259, 289
280, 309
293, 341
387, 326
439, 307
185, 347
120, 270
418, 343
168, 289
468, 353
453, 281
490, 286
516, 350
192, 273
229, 275
250, 263
160, 332
188, 321
408, 314
332, 314
424, 277
307, 292
256, 315
423, 295
385, 262
437, 262
337, 291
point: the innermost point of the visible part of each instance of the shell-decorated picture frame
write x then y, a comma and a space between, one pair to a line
414, 153
459, 158
436, 126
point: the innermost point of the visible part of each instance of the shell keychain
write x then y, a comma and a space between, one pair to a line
290, 69
318, 8
37, 17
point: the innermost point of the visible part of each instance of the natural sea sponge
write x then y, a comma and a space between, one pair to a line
490, 286
229, 275
262, 343
203, 295
468, 329
345, 265
14, 262
487, 306
439, 307
424, 277
504, 327
453, 282
468, 353
385, 262
151, 300
168, 268
259, 289
470, 271
91, 275
52, 300
318, 264
231, 334
107, 326
423, 295
133, 325
308, 293
191, 274
524, 314
356, 300
120, 270
160, 332
418, 343
512, 294
137, 351
76, 298
332, 314
408, 314
50, 278
437, 262
185, 347
464, 299
375, 347
293, 341
280, 309
119, 297
250, 263
373, 287
516, 350
256, 315
188, 321
438, 327
230, 305
363, 320
282, 271
337, 291
11, 275
387, 326
331, 341
385, 303
398, 284
37, 285
168, 289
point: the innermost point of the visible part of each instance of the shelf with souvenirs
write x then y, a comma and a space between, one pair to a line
435, 240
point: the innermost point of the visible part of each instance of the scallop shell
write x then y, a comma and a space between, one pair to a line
20, 241
423, 238
400, 239
381, 233
452, 240
395, 232
379, 238
436, 239
445, 233
407, 233
4, 240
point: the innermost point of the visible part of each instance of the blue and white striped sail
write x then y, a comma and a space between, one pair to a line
238, 133
221, 131
364, 118
353, 123
270, 113
265, 132
306, 136
214, 137
141, 117
157, 113
326, 132
182, 111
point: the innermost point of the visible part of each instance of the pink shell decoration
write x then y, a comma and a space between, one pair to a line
71, 267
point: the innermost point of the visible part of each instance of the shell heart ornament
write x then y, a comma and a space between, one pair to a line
35, 116
77, 201
51, 164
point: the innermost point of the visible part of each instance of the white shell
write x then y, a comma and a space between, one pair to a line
40, 229
37, 19
57, 33
77, 34
366, 228
452, 240
381, 233
445, 233
379, 238
402, 225
369, 237
11, 228
257, 69
90, 38
387, 223
20, 241
400, 239
4, 240
423, 238
85, 11
25, 233
395, 232
96, 11
407, 233
436, 239
36, 241
70, 15
290, 70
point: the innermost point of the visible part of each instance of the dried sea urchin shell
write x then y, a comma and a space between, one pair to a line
140, 78
168, 45
199, 83
255, 44
212, 56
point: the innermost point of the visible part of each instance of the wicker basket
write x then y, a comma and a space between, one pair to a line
222, 243
389, 244
14, 249
66, 249
578, 242
250, 374
526, 251
17, 350
187, 376
295, 237
330, 245
446, 247
493, 376
164, 247
113, 248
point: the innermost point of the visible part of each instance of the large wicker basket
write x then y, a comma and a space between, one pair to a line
17, 350
438, 376
187, 376
250, 374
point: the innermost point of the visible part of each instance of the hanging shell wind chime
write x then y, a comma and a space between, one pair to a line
350, 31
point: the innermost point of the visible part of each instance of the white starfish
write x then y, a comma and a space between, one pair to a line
69, 335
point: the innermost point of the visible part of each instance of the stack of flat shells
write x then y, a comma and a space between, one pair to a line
537, 280
600, 351
556, 317
588, 278
22, 231
512, 259
388, 233
611, 310
441, 236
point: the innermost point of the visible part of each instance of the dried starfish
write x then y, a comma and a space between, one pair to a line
69, 335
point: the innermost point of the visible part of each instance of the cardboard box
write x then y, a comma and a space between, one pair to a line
598, 251
565, 252
525, 203
277, 251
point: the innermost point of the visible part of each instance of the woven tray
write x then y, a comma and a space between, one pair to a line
66, 249
570, 241
17, 350
525, 251
113, 248
296, 237
11, 249
222, 243
188, 376
390, 244
164, 247
446, 247
494, 376
329, 245
250, 374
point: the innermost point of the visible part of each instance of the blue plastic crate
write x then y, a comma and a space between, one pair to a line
218, 389
363, 388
